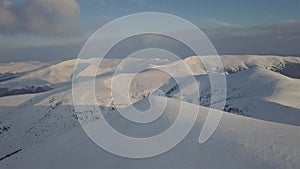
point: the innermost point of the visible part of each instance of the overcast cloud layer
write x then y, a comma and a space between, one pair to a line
279, 39
39, 16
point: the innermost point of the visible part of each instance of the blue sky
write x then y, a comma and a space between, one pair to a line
200, 12
234, 26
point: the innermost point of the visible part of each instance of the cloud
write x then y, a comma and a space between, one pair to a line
56, 17
222, 23
137, 1
281, 38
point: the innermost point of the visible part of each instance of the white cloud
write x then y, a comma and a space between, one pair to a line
280, 38
137, 1
222, 23
39, 16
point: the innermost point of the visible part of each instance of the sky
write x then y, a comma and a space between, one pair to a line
57, 29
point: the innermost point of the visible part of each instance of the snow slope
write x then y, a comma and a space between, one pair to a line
239, 142
41, 130
288, 66
257, 93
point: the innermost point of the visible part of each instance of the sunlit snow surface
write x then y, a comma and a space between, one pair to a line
260, 130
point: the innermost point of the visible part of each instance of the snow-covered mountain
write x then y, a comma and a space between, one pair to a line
40, 129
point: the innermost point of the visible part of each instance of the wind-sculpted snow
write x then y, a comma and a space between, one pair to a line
288, 66
55, 140
257, 93
260, 130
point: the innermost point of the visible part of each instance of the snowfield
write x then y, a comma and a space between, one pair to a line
260, 127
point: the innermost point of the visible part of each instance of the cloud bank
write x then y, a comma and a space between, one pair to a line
280, 38
54, 17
